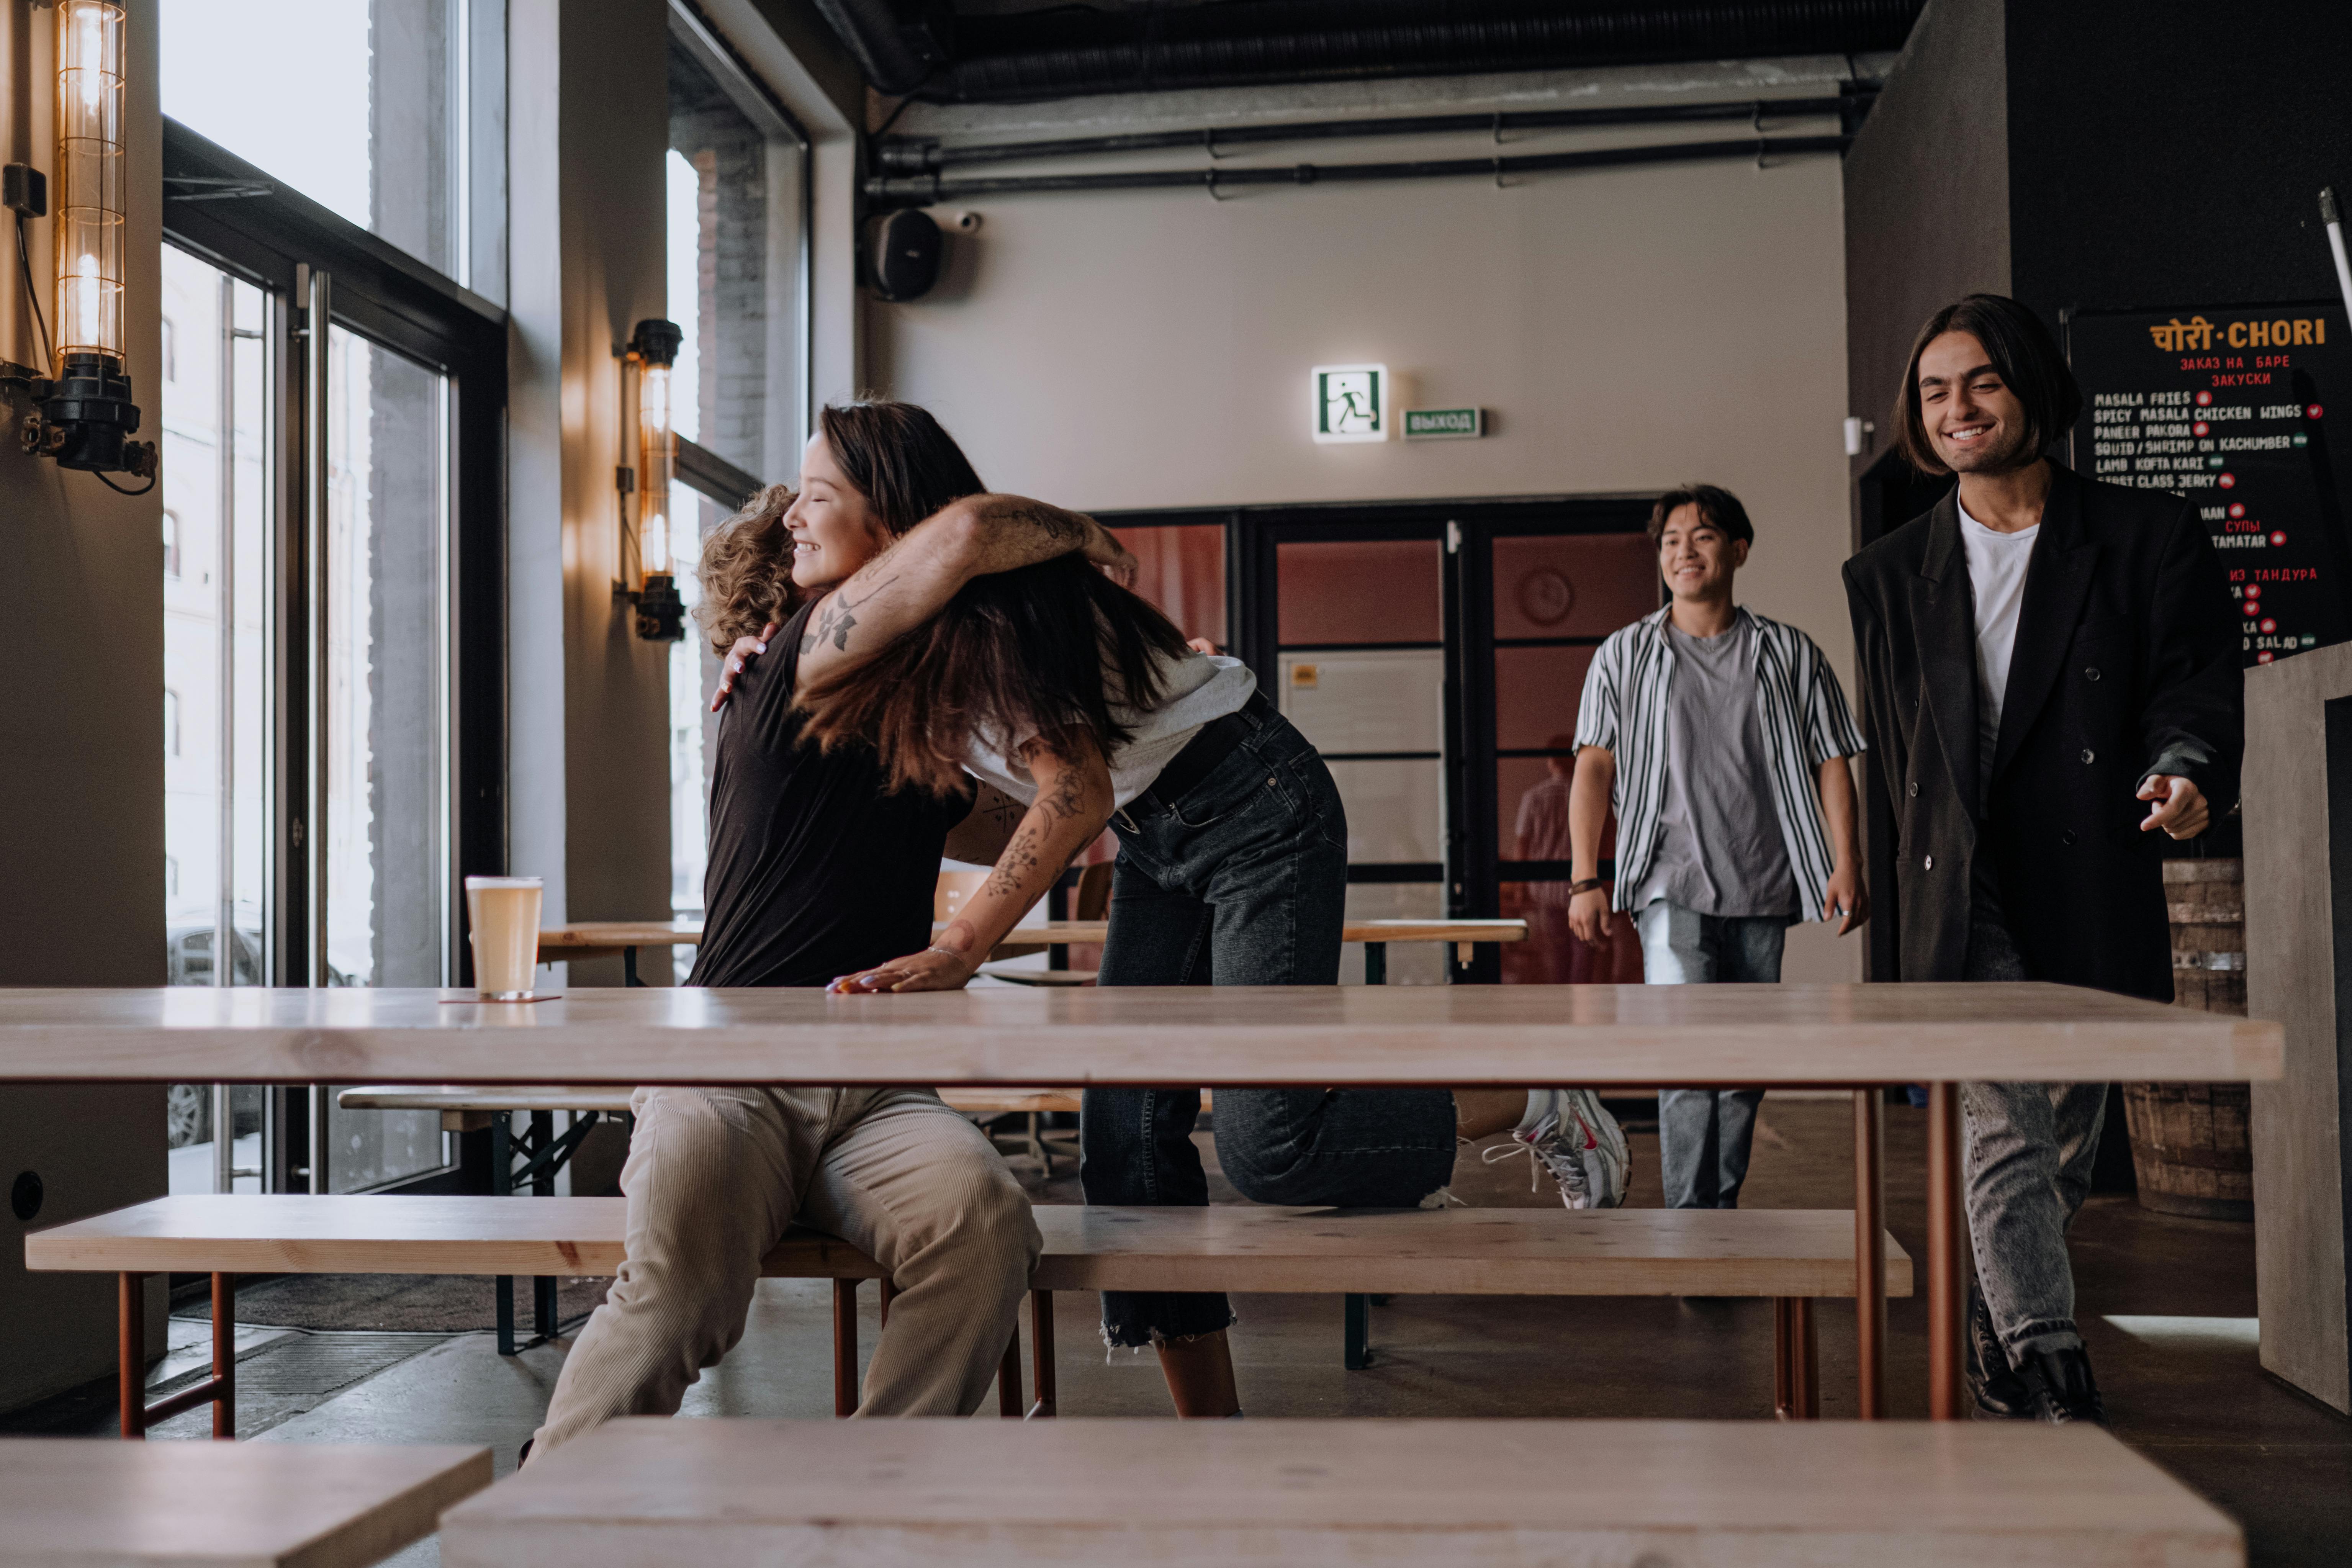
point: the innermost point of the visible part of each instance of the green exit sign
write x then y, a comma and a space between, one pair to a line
1445, 423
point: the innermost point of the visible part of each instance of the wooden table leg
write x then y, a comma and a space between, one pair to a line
1008, 1375
1041, 1345
845, 1347
1870, 1249
1784, 1359
1804, 1348
130, 1322
224, 1356
1946, 1270
502, 1185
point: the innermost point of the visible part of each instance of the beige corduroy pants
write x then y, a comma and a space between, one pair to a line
713, 1177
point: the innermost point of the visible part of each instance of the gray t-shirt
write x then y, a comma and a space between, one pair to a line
1719, 848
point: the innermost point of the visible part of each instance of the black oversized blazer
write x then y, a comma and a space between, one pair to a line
2127, 662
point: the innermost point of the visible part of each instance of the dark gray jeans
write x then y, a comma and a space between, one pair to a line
1244, 881
2028, 1148
1704, 1135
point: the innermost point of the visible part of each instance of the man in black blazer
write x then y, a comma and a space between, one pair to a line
2049, 670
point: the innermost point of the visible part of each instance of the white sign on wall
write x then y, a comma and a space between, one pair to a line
1350, 402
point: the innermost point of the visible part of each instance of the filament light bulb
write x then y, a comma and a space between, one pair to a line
89, 226
656, 465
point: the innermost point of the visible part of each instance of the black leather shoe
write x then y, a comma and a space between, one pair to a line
2063, 1388
1999, 1394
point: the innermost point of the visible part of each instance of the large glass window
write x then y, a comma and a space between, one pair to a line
388, 902
389, 914
367, 107
737, 387
216, 630
688, 716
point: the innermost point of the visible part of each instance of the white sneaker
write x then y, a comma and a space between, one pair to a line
1608, 1161
1581, 1147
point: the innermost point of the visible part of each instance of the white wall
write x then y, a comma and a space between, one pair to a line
1626, 329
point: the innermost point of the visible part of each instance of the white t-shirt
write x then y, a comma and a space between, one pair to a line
1997, 564
1194, 689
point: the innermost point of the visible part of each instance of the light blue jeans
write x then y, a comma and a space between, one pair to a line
1704, 1133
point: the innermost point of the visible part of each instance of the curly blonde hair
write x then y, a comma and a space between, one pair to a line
747, 571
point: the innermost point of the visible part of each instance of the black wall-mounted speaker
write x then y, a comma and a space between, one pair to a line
903, 257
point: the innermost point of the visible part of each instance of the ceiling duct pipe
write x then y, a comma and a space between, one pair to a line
915, 155
898, 45
1064, 52
929, 190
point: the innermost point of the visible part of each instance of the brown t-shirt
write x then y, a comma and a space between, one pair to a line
815, 871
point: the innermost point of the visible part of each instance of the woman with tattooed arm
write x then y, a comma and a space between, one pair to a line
1063, 691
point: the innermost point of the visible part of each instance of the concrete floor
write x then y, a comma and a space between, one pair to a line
2168, 1305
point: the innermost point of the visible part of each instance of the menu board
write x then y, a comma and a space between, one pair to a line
2230, 407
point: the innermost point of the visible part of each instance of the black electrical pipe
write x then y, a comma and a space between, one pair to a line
915, 155
928, 189
922, 48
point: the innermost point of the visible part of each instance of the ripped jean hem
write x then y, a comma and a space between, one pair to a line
1123, 1337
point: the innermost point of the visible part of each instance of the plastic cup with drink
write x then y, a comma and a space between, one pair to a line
505, 915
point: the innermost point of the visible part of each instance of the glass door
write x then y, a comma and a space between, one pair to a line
348, 424
1359, 667
219, 568
1554, 598
276, 805
385, 796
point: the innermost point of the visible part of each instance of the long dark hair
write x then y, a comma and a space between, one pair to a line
895, 453
1046, 651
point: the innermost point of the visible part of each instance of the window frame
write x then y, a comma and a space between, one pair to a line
272, 236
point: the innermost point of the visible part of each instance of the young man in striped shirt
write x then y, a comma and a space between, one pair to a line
1721, 738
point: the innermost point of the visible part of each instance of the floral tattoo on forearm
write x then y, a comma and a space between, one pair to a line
834, 618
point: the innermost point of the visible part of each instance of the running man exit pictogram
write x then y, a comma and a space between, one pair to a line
1350, 402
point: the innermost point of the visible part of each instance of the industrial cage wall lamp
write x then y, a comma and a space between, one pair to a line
649, 353
83, 413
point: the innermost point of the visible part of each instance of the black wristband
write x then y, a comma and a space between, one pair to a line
1586, 886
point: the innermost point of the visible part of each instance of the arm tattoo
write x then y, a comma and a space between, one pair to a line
1062, 527
1021, 858
1068, 799
834, 619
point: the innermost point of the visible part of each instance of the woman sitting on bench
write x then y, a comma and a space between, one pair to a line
1070, 695
816, 866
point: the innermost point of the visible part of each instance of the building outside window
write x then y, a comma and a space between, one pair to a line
386, 95
736, 383
399, 106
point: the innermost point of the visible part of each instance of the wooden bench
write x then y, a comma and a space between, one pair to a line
1295, 1494
532, 1159
305, 1505
1790, 1256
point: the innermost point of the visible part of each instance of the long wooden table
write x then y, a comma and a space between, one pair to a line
604, 939
1465, 1036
